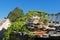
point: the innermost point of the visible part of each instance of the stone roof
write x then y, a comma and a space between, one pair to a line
54, 14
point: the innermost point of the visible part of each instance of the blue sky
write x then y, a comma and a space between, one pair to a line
49, 6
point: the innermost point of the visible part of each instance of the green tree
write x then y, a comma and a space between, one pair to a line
46, 20
15, 14
18, 26
35, 13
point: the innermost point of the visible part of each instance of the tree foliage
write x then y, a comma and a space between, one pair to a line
46, 20
15, 14
18, 27
35, 13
